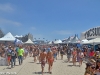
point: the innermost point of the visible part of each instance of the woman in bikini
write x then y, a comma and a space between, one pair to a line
81, 55
74, 53
35, 54
50, 60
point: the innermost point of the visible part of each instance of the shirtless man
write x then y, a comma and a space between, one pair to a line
43, 59
50, 60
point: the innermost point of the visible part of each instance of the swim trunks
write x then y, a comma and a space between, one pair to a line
43, 63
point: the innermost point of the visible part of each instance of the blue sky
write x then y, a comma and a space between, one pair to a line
49, 19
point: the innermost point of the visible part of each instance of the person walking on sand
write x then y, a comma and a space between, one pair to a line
55, 54
69, 52
74, 53
62, 53
50, 60
20, 55
80, 55
43, 55
34, 55
13, 57
9, 55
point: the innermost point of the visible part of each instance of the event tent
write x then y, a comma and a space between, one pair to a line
28, 42
75, 40
50, 42
68, 40
96, 40
8, 37
57, 41
18, 36
84, 41
92, 41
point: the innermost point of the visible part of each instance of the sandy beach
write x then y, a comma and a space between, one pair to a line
60, 67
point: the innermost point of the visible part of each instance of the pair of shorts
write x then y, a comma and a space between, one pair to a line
9, 58
68, 56
43, 63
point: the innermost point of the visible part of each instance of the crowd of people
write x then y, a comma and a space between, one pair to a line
48, 54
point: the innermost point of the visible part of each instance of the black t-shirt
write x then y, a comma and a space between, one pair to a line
13, 54
69, 52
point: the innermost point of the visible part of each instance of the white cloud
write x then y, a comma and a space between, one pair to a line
33, 28
9, 22
6, 7
63, 32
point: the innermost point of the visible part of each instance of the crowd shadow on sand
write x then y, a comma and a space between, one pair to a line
34, 62
31, 62
70, 63
40, 72
67, 61
8, 68
73, 65
38, 63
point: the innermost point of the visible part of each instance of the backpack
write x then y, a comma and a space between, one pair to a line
12, 53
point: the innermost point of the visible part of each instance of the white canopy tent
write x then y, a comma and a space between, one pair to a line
84, 41
68, 40
75, 39
57, 41
28, 42
93, 41
8, 37
18, 36
50, 42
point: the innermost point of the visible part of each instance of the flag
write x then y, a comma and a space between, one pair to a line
15, 41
